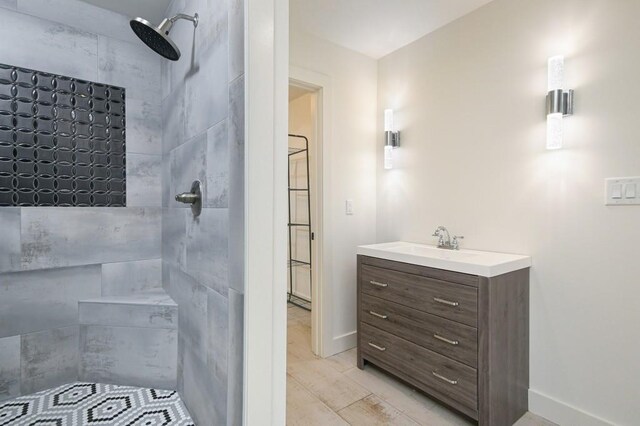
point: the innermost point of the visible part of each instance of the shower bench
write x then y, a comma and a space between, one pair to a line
129, 340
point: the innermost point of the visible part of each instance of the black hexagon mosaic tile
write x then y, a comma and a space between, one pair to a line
62, 141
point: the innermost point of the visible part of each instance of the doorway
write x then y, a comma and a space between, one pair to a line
303, 203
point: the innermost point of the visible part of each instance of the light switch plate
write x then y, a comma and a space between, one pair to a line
622, 191
348, 207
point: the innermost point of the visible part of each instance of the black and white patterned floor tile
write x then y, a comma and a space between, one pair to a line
79, 404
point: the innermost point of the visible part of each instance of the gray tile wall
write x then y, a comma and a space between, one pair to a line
52, 257
203, 138
58, 237
106, 355
129, 315
195, 131
9, 367
48, 358
123, 278
39, 300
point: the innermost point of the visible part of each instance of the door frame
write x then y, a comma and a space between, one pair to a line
266, 58
321, 294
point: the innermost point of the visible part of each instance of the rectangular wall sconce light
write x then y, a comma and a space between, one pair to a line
391, 139
559, 103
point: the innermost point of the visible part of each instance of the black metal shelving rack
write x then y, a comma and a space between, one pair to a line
293, 263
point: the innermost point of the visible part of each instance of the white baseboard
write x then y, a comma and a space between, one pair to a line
560, 413
343, 343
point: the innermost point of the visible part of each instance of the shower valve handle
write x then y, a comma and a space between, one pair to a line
187, 198
194, 198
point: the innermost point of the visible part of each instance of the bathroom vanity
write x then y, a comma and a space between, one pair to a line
453, 324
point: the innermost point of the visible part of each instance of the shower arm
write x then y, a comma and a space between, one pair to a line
166, 25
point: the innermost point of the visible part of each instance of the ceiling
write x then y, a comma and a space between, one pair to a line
376, 27
372, 27
151, 10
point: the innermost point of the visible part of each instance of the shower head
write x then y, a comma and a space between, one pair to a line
157, 37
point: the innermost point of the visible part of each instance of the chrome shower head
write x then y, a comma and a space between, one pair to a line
157, 38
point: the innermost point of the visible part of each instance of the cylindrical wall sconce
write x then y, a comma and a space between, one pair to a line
559, 103
391, 139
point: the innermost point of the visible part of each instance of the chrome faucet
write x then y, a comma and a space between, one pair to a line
445, 241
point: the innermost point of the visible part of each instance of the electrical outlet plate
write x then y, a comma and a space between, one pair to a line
622, 191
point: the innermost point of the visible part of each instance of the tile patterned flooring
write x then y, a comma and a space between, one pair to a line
333, 391
79, 404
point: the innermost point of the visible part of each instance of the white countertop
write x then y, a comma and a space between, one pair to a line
482, 263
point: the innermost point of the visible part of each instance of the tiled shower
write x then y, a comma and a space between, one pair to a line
110, 283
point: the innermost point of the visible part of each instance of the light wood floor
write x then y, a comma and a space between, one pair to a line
333, 391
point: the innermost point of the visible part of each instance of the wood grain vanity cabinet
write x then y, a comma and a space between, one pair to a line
462, 339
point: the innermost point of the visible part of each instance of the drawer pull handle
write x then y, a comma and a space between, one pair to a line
441, 377
446, 302
376, 283
444, 339
375, 314
380, 348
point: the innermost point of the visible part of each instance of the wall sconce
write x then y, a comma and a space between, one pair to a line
559, 103
391, 139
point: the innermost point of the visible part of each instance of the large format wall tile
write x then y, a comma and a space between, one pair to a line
207, 249
80, 15
42, 303
114, 312
38, 300
144, 186
236, 39
165, 72
9, 4
214, 13
188, 163
217, 173
123, 278
173, 120
202, 141
10, 246
49, 358
167, 199
130, 65
174, 237
204, 108
144, 126
235, 358
184, 37
236, 185
204, 395
9, 367
129, 356
53, 237
209, 69
218, 349
193, 321
44, 45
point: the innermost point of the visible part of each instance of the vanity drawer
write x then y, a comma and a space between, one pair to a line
443, 377
449, 338
448, 300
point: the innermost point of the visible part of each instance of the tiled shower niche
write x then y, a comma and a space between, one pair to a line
62, 141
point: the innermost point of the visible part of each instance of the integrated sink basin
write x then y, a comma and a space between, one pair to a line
482, 263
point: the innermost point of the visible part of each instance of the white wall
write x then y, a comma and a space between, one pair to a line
350, 168
469, 101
